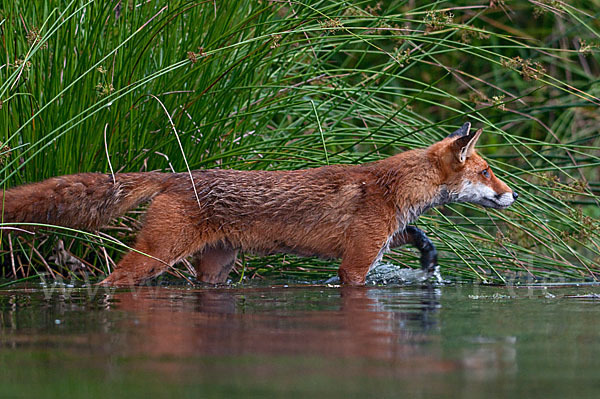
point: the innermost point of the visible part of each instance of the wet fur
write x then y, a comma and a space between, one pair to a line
351, 212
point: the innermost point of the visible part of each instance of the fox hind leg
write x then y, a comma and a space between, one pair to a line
213, 263
167, 236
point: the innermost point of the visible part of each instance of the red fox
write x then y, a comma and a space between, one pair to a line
354, 212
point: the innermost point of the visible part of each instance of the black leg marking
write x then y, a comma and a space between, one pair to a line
417, 237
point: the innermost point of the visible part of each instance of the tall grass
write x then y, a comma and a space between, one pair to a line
170, 85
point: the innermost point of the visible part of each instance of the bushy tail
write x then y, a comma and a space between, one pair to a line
82, 201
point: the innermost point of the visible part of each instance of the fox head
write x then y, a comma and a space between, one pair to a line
466, 176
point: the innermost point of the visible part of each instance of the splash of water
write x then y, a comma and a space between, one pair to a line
389, 274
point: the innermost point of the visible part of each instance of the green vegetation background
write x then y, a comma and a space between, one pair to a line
165, 85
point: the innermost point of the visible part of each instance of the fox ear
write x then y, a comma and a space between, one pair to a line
461, 131
464, 146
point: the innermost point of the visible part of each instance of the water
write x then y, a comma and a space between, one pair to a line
465, 341
390, 274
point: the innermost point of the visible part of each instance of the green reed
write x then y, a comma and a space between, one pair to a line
171, 85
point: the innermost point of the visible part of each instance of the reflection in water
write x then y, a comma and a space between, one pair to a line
349, 322
447, 341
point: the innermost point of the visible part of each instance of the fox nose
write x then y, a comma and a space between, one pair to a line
515, 195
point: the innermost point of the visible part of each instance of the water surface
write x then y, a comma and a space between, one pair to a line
451, 341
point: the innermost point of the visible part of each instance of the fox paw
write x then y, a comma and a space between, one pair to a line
121, 279
434, 275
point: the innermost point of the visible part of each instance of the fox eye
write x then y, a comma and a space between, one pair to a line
485, 173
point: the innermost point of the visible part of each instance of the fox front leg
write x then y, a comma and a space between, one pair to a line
417, 237
360, 255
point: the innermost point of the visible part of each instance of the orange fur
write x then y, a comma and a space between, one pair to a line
348, 212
